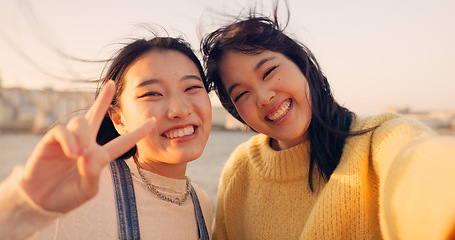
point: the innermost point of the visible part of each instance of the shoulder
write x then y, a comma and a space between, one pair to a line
249, 149
391, 126
389, 135
384, 121
390, 130
238, 163
380, 120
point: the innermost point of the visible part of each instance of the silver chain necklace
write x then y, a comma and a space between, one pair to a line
155, 191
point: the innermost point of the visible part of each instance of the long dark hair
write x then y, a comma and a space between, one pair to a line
119, 66
330, 122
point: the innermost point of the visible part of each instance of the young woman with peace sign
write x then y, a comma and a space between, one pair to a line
152, 117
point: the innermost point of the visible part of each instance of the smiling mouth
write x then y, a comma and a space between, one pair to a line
280, 112
180, 132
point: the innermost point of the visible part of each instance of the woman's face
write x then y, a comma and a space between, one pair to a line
270, 93
165, 85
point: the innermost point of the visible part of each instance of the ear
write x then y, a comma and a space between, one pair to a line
117, 120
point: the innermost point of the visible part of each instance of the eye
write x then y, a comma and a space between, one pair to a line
150, 94
194, 88
240, 95
269, 71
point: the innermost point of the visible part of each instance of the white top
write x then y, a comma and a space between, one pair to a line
97, 218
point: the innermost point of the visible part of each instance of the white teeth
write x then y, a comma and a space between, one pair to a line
280, 112
180, 132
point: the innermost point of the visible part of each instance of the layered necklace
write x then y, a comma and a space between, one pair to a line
155, 191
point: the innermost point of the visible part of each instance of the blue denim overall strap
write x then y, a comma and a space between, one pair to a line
201, 227
126, 201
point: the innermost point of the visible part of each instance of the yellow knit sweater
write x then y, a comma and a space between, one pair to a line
396, 182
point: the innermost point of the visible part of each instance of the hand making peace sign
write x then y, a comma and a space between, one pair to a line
63, 171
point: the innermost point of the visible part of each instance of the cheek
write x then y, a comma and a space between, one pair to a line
307, 93
140, 112
245, 110
299, 88
205, 107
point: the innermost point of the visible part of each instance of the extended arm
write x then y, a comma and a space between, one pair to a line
417, 176
63, 171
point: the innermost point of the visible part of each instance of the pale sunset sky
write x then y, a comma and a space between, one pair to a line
376, 54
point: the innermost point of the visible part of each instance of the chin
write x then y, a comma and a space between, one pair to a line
184, 157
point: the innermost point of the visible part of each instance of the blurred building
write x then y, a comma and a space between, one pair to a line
37, 110
441, 121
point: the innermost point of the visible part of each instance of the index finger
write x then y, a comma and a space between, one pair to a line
99, 108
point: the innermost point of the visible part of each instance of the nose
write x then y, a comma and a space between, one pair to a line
265, 96
178, 107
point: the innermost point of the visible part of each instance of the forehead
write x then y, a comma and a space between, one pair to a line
237, 63
160, 64
240, 59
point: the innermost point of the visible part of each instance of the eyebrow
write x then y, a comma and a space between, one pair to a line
188, 77
264, 60
148, 82
258, 65
152, 81
232, 87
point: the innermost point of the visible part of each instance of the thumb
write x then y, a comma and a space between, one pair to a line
122, 144
92, 160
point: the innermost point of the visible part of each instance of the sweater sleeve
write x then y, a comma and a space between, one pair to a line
219, 225
416, 170
20, 217
231, 167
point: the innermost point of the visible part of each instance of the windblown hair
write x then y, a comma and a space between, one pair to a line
119, 67
330, 122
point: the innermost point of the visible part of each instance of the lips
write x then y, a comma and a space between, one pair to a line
179, 132
280, 111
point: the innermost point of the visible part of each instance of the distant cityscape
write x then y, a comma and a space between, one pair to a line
25, 110
441, 121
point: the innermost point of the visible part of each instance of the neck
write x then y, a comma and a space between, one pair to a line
176, 171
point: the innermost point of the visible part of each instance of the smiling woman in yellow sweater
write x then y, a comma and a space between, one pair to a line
317, 170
